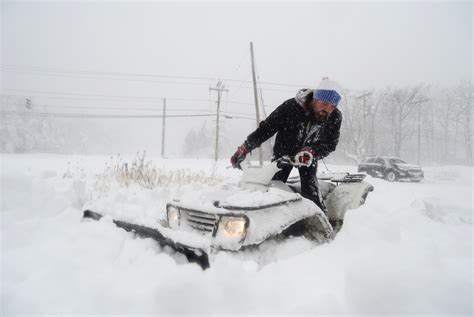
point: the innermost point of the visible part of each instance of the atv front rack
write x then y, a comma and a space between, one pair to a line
193, 255
334, 177
342, 177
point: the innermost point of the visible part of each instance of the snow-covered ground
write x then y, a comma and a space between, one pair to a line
408, 250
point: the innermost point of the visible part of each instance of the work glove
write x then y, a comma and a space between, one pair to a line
239, 155
306, 156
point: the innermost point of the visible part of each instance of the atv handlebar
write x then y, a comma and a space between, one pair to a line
287, 160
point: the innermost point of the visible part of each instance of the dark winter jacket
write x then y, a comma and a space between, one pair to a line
295, 129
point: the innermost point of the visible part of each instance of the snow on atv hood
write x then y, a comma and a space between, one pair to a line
254, 189
269, 212
143, 208
216, 199
270, 206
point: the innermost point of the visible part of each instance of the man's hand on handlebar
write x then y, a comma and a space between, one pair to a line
304, 158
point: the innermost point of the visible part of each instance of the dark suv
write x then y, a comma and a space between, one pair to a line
391, 168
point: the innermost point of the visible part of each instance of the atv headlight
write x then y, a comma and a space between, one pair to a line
234, 226
231, 231
173, 216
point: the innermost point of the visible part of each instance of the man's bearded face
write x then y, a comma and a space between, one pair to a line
321, 109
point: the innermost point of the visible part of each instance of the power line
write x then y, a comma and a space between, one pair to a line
179, 83
237, 117
109, 108
83, 95
78, 96
15, 68
116, 116
99, 116
230, 113
109, 78
26, 69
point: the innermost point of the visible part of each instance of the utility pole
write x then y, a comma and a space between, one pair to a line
419, 102
263, 105
219, 88
255, 94
419, 134
163, 129
365, 112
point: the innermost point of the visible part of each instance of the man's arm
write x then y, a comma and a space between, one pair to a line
268, 127
327, 144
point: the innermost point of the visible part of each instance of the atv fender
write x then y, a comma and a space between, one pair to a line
346, 196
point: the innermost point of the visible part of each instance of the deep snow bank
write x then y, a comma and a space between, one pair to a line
407, 250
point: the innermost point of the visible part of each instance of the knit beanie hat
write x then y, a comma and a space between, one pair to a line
328, 90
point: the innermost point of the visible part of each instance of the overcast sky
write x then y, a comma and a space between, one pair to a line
361, 45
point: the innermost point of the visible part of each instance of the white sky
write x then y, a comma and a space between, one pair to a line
362, 45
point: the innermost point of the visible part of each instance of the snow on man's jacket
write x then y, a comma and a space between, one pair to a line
295, 128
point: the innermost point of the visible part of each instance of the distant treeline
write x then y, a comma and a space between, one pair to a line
425, 124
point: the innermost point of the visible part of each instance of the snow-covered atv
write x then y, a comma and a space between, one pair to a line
259, 209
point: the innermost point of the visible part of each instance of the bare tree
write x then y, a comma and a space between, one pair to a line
376, 100
400, 110
351, 128
443, 119
429, 127
359, 125
463, 101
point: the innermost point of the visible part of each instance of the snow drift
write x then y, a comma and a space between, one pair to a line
408, 250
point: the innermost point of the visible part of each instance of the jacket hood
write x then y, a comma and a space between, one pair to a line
301, 95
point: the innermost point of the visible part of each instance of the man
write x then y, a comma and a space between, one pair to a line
308, 123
